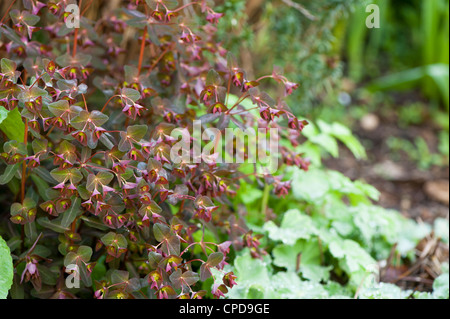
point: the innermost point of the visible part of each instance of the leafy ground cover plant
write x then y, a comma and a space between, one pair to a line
6, 269
327, 240
101, 209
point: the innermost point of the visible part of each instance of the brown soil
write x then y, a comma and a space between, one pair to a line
404, 187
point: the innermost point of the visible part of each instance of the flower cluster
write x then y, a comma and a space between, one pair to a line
99, 189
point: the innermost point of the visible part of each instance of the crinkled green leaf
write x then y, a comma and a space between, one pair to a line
6, 269
307, 254
294, 226
441, 287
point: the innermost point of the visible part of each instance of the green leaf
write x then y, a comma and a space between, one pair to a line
8, 67
294, 226
79, 60
344, 134
213, 78
54, 225
98, 118
327, 142
154, 259
287, 285
44, 174
72, 174
186, 279
99, 270
117, 240
173, 245
94, 223
6, 269
105, 178
353, 259
85, 253
11, 124
30, 19
9, 174
255, 292
161, 232
311, 186
119, 276
3, 114
441, 287
81, 259
102, 178
80, 121
31, 231
28, 204
172, 242
215, 259
305, 252
131, 94
205, 272
137, 132
384, 291
39, 145
249, 270
72, 213
31, 94
108, 239
441, 229
190, 277
60, 107
48, 276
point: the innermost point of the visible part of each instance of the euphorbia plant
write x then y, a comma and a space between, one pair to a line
100, 197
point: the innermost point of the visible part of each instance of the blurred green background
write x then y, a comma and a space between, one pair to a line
319, 42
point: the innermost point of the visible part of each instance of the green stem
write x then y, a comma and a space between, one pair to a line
265, 200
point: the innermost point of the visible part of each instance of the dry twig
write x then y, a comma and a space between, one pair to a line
300, 8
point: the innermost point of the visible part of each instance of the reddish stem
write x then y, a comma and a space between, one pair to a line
185, 6
85, 104
264, 77
74, 53
229, 89
75, 38
240, 112
241, 99
87, 7
159, 59
7, 11
141, 55
38, 80
104, 107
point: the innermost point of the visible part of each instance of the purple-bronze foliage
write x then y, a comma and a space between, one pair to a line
101, 199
